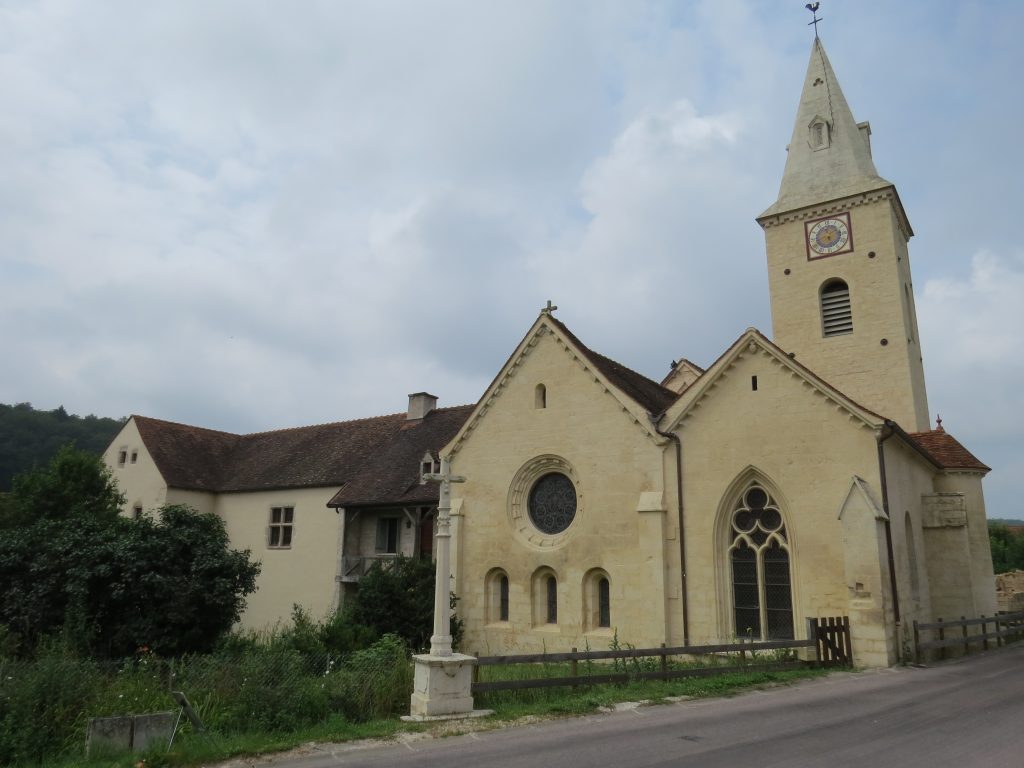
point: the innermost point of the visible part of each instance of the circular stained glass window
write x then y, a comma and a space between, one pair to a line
552, 503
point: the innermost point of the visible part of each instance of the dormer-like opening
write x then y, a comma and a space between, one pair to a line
865, 134
420, 404
819, 134
429, 464
540, 396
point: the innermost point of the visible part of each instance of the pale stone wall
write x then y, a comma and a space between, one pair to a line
302, 574
201, 501
805, 450
140, 481
614, 460
909, 478
979, 570
888, 379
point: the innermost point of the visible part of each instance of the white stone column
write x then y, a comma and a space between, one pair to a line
442, 687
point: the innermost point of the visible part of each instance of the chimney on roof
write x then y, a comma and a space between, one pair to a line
420, 404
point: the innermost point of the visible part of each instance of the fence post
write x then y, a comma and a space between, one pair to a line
984, 633
573, 667
847, 641
476, 668
917, 643
664, 663
967, 645
812, 634
942, 636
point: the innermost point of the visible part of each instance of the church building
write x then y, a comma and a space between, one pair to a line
796, 477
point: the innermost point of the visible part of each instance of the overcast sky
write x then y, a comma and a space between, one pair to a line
251, 215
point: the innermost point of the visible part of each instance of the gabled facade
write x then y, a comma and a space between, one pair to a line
272, 490
792, 479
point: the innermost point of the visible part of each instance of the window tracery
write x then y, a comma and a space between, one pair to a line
759, 561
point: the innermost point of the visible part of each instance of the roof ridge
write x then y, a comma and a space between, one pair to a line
324, 424
771, 346
168, 422
596, 358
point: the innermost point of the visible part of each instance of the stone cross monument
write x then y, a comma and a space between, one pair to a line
442, 685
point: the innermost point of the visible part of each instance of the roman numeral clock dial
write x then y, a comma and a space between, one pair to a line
829, 236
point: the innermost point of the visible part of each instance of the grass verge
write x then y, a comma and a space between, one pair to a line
194, 749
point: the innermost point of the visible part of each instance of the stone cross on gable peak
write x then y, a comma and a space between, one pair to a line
548, 309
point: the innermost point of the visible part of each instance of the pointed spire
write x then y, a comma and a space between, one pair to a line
829, 154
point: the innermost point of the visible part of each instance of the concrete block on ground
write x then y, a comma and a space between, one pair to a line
152, 730
108, 734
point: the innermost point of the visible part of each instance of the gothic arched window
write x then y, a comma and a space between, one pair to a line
759, 563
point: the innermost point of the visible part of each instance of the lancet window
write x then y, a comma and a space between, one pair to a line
760, 567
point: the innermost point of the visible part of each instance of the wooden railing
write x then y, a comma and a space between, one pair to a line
830, 639
354, 567
956, 633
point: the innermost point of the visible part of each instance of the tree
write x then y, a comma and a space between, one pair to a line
399, 599
69, 562
1007, 547
114, 585
29, 438
74, 485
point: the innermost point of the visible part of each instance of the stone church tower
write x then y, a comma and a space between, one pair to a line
842, 298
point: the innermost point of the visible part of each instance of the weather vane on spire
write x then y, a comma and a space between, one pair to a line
813, 8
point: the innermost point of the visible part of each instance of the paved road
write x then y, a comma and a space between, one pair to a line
964, 713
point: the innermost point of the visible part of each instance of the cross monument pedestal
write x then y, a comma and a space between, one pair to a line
442, 687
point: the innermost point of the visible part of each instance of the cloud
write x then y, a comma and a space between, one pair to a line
248, 216
971, 341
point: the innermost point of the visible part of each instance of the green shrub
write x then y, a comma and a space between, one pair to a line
373, 683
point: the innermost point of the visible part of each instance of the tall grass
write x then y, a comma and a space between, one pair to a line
45, 703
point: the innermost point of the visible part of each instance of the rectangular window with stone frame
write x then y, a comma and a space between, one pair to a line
279, 532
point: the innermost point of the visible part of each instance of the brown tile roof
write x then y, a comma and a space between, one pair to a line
947, 450
650, 394
392, 473
187, 457
380, 455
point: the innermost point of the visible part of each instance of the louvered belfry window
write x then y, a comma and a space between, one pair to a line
836, 315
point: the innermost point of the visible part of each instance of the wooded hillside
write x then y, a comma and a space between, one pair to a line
30, 438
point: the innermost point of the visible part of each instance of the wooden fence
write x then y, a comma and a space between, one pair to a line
829, 637
945, 634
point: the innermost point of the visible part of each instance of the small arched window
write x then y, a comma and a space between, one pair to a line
540, 397
597, 600
496, 587
819, 134
551, 587
544, 597
836, 313
604, 603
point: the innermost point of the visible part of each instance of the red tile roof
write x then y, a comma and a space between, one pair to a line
379, 455
947, 450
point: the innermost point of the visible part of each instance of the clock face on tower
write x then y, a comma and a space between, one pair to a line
829, 236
